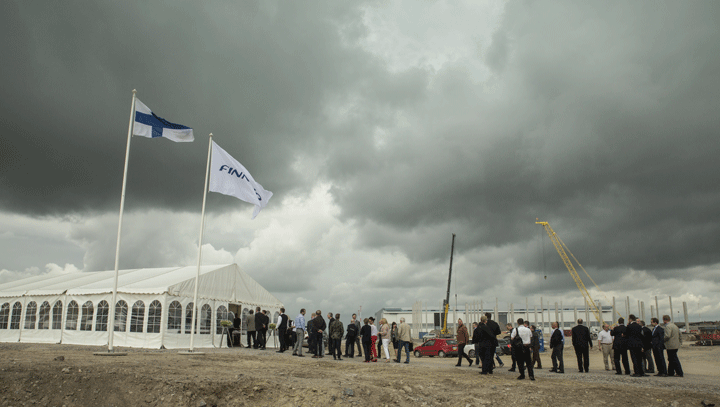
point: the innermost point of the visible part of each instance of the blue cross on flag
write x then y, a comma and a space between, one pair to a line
148, 124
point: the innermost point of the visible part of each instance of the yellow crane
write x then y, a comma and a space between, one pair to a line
560, 247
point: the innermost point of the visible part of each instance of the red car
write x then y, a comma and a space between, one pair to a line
437, 347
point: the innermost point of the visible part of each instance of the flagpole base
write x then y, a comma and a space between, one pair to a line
190, 352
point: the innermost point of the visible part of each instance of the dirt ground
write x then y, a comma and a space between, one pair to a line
66, 375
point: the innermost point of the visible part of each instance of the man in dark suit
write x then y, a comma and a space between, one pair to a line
494, 327
266, 325
580, 340
620, 347
331, 345
648, 364
658, 346
259, 322
282, 330
557, 343
634, 337
486, 340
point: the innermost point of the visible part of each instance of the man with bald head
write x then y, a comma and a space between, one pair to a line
605, 344
581, 339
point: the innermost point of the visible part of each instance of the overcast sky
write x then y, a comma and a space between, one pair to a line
381, 128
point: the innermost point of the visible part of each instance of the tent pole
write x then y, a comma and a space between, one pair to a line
202, 226
164, 320
111, 316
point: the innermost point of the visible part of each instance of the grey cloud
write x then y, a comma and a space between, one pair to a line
255, 76
600, 118
605, 133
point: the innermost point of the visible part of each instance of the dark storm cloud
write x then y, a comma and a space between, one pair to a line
255, 74
601, 118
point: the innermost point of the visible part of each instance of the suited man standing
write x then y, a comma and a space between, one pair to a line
620, 347
485, 339
658, 346
494, 327
672, 344
331, 319
282, 325
648, 364
634, 337
582, 342
557, 343
259, 322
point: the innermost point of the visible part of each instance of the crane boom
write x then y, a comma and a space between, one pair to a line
446, 303
559, 246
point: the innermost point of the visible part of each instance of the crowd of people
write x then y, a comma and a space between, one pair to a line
646, 346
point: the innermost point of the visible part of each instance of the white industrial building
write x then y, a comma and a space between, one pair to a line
424, 320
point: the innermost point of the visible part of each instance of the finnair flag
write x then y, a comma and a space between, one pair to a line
148, 124
229, 177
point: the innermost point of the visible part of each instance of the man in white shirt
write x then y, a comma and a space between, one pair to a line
605, 345
523, 353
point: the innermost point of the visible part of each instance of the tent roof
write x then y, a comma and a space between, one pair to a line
224, 282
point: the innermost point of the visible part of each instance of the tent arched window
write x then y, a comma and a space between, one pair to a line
205, 319
72, 316
87, 316
175, 317
30, 315
154, 317
15, 317
101, 320
121, 311
188, 318
138, 317
57, 315
44, 318
274, 320
222, 315
4, 315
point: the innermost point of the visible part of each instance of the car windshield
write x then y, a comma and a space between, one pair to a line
452, 342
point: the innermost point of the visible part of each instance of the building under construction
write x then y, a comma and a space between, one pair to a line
424, 320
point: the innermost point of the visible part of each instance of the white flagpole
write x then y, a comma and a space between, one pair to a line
202, 226
111, 317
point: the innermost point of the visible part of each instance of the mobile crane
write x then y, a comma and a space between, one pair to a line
446, 303
560, 247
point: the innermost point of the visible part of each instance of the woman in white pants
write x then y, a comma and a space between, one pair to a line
385, 336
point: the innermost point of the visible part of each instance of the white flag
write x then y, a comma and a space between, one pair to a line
229, 177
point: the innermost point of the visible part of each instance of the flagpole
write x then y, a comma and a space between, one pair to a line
111, 317
202, 226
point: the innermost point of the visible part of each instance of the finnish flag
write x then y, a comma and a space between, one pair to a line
148, 124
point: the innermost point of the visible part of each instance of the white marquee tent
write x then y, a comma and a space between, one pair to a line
73, 308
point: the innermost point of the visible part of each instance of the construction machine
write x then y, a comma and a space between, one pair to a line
446, 302
560, 247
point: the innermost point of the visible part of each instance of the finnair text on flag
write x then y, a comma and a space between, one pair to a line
148, 124
229, 177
